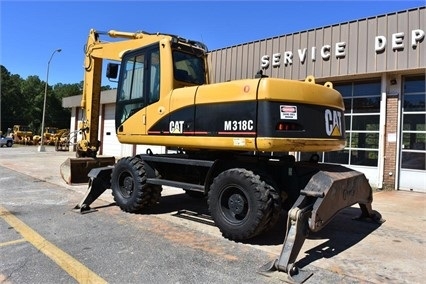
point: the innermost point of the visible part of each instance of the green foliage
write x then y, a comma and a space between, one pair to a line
22, 101
10, 98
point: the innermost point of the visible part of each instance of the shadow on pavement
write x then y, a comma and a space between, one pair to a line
340, 234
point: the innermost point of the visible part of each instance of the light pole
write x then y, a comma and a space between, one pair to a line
41, 147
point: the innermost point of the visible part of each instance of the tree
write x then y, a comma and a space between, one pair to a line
32, 99
67, 90
21, 102
10, 99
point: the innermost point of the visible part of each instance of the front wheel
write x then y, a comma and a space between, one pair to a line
240, 204
129, 187
9, 143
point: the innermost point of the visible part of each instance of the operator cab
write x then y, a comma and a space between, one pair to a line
142, 75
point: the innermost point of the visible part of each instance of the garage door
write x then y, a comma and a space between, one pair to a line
413, 135
110, 144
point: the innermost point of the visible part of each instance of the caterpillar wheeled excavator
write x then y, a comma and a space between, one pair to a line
231, 141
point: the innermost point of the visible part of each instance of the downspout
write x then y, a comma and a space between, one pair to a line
382, 131
399, 134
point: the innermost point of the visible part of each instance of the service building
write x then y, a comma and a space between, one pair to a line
378, 64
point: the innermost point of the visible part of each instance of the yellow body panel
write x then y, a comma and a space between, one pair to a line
273, 144
181, 97
299, 92
269, 89
193, 142
263, 144
233, 91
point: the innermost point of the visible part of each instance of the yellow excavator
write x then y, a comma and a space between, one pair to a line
231, 141
22, 134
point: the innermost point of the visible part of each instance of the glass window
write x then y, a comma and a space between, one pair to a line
154, 89
348, 121
140, 82
414, 122
414, 85
340, 157
414, 102
365, 122
127, 81
366, 89
364, 140
132, 79
344, 90
414, 93
364, 158
363, 105
414, 141
137, 88
413, 160
348, 105
188, 68
413, 150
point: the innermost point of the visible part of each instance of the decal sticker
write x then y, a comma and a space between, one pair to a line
238, 125
176, 127
333, 122
288, 112
239, 142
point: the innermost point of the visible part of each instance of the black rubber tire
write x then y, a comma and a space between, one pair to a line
154, 191
240, 204
155, 194
9, 144
129, 188
274, 208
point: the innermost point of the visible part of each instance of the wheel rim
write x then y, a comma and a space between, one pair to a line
233, 204
126, 185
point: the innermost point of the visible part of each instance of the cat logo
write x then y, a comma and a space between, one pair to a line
176, 127
333, 122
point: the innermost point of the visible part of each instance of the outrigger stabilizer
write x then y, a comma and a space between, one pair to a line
329, 191
99, 181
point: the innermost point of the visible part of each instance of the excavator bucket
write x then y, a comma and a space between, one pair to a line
330, 190
76, 170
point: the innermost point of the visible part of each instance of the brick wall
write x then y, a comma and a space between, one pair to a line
390, 143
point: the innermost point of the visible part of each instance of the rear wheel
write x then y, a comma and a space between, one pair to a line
129, 187
274, 208
9, 143
240, 204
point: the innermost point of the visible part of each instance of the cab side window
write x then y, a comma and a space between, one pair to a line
154, 86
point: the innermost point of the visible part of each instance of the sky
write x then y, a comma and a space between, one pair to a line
30, 31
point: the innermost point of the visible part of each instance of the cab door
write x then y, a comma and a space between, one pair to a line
156, 108
138, 88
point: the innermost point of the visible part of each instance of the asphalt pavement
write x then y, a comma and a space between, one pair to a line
346, 251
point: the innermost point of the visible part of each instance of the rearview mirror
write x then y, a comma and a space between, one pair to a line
112, 70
